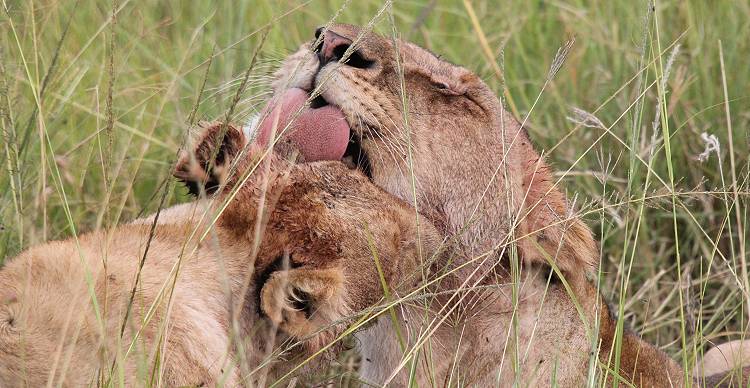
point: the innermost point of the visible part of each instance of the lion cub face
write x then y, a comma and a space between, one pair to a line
321, 232
299, 243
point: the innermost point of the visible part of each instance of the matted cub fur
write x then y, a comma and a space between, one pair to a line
149, 302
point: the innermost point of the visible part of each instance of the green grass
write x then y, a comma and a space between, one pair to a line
93, 113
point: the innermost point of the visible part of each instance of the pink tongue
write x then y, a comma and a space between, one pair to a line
319, 134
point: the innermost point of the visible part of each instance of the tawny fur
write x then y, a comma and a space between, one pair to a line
312, 220
725, 356
460, 158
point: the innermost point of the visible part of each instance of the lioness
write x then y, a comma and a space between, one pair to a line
182, 300
433, 134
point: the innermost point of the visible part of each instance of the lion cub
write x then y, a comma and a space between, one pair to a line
193, 296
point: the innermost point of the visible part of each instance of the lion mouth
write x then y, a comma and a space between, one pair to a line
318, 131
355, 157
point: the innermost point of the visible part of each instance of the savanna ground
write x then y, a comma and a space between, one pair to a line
96, 97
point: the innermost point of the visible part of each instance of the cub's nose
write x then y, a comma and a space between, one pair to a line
333, 47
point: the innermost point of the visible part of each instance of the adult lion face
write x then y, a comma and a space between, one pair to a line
433, 134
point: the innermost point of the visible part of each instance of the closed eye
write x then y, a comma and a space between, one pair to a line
440, 85
446, 89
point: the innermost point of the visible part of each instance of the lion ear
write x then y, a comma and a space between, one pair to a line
549, 228
205, 164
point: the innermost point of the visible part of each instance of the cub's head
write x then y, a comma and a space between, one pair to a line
433, 134
322, 231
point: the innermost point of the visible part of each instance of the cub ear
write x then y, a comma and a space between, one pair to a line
205, 164
307, 304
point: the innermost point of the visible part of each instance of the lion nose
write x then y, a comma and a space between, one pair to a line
333, 47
